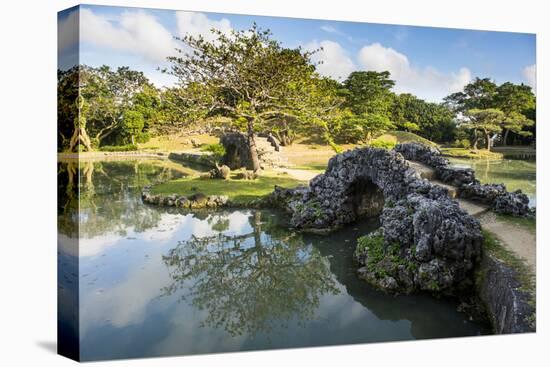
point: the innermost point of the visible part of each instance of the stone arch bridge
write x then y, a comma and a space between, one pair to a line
436, 243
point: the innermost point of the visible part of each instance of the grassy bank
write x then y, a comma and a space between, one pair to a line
470, 153
239, 191
524, 273
528, 223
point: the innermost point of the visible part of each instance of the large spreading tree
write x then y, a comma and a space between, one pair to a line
512, 104
250, 77
488, 121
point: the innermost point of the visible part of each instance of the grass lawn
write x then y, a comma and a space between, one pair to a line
304, 154
312, 156
239, 191
174, 143
470, 153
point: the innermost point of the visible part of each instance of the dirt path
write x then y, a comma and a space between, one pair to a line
299, 174
513, 236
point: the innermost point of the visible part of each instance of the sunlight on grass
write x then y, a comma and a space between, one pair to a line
470, 153
240, 191
173, 143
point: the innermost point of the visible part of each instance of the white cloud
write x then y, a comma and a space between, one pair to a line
530, 75
134, 31
335, 61
428, 83
141, 33
67, 31
330, 29
196, 24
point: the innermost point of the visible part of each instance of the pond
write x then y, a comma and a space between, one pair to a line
514, 173
156, 281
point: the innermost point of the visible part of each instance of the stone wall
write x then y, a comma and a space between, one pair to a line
507, 306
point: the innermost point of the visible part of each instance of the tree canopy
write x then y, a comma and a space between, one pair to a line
250, 77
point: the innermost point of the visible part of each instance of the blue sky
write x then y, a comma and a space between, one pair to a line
429, 62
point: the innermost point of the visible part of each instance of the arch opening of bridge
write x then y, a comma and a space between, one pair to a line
365, 198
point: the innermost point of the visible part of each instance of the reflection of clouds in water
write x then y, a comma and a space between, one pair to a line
330, 308
197, 227
187, 336
238, 222
67, 245
125, 303
164, 231
168, 225
98, 244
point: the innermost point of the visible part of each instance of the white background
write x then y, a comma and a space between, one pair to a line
28, 182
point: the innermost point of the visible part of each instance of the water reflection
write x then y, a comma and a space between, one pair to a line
250, 281
100, 198
156, 281
426, 314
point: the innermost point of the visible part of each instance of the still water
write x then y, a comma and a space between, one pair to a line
156, 282
514, 173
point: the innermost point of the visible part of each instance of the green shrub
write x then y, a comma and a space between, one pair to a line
382, 143
382, 260
143, 137
118, 148
217, 150
373, 244
214, 149
462, 143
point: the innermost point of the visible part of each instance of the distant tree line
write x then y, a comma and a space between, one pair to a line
486, 112
248, 81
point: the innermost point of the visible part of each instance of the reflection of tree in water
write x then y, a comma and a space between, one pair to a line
252, 282
428, 316
104, 197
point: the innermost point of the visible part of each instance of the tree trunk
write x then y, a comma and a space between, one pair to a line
505, 139
80, 136
252, 147
284, 139
489, 140
476, 139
